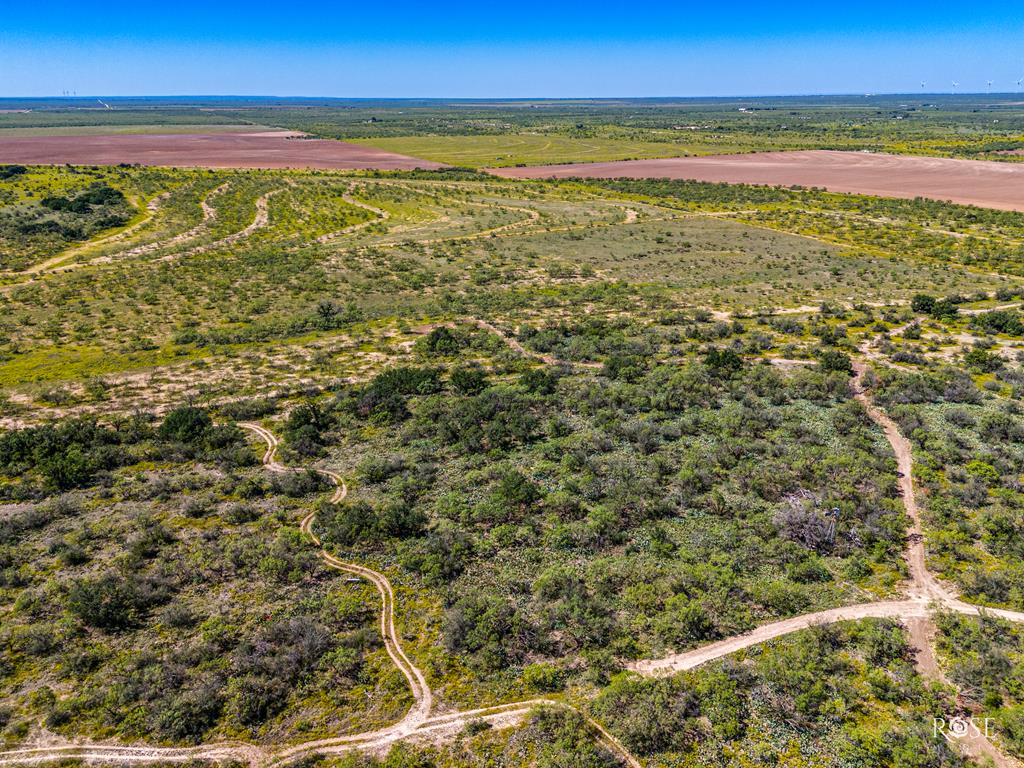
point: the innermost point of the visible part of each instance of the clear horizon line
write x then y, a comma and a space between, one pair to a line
857, 95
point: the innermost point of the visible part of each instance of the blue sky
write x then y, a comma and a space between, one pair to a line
486, 49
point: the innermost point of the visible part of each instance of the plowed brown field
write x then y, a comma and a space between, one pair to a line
969, 182
204, 150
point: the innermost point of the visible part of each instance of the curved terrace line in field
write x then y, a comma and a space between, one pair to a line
209, 216
152, 207
531, 217
57, 263
379, 213
260, 221
523, 227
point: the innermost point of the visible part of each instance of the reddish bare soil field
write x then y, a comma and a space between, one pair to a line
206, 150
969, 182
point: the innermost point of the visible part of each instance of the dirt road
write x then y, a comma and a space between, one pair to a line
923, 583
925, 593
974, 744
923, 589
677, 662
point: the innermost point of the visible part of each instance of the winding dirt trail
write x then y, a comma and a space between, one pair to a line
417, 721
417, 725
422, 696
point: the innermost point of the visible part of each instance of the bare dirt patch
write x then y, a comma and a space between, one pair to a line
204, 150
968, 182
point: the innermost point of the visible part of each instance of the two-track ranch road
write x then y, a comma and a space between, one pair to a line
273, 149
967, 182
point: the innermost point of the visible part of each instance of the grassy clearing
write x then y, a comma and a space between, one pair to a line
73, 363
521, 149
